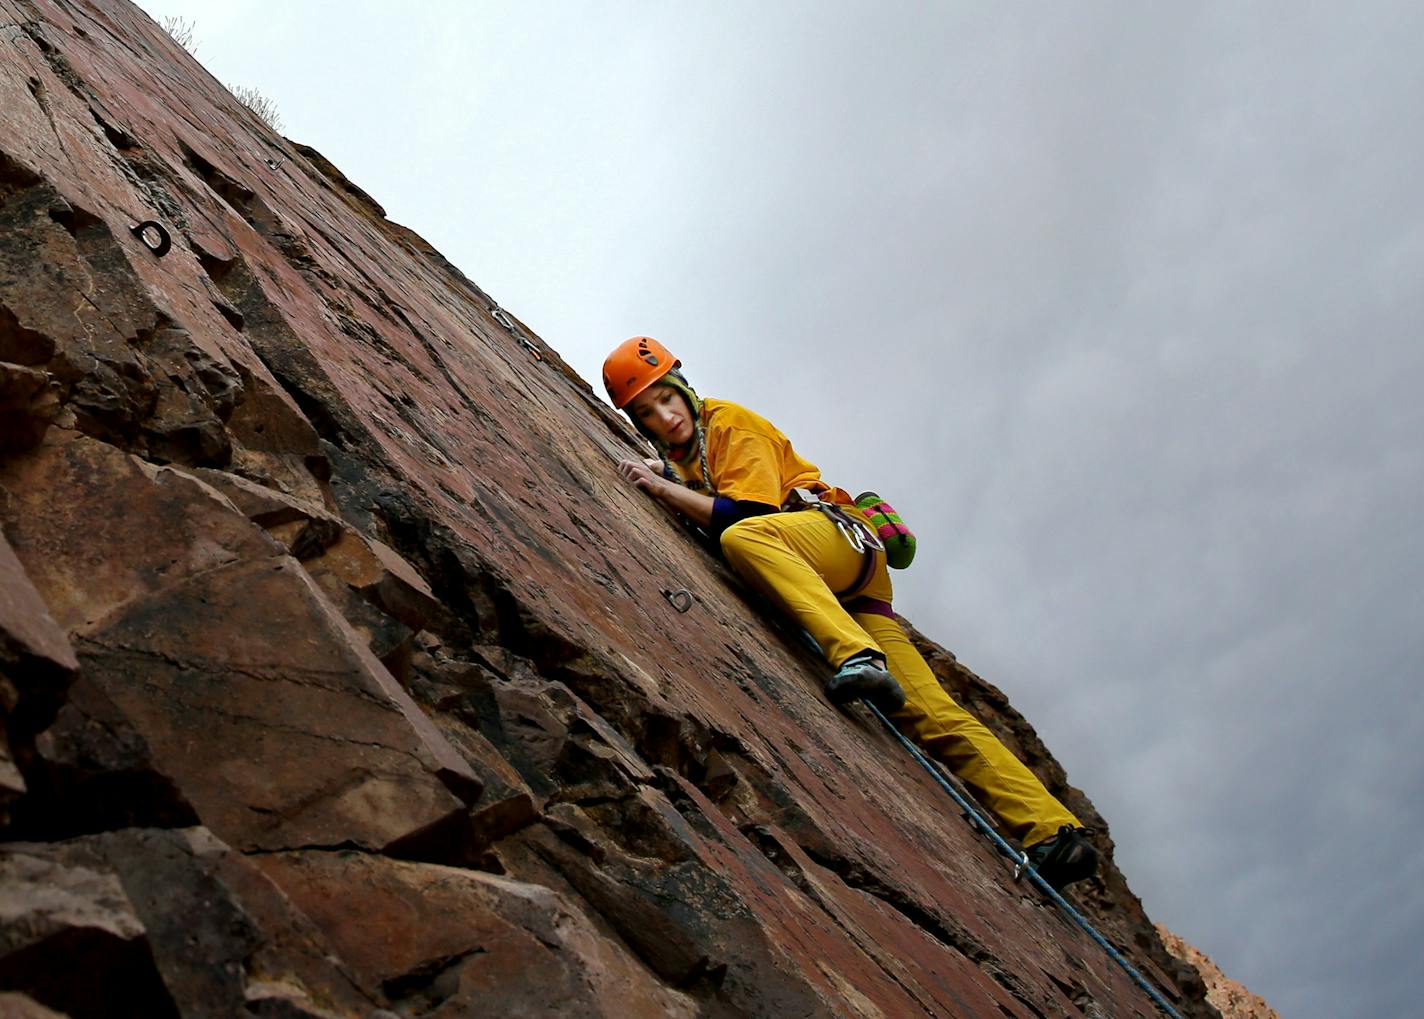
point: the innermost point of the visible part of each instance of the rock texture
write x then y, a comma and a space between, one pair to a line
337, 670
1231, 999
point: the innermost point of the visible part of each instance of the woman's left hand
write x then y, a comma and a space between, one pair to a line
637, 473
695, 506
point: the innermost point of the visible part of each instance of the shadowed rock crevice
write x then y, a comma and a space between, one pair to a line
235, 195
1079, 996
125, 969
280, 349
78, 222
59, 65
220, 289
15, 177
29, 403
430, 984
660, 942
92, 772
37, 90
121, 140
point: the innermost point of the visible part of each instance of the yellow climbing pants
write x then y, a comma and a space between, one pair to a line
800, 561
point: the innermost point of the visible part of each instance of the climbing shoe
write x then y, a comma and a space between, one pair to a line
1065, 857
862, 676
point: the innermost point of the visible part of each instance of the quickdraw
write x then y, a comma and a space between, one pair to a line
857, 533
502, 317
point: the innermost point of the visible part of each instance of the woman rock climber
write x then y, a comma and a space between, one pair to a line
732, 473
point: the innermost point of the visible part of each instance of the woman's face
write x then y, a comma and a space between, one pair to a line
664, 412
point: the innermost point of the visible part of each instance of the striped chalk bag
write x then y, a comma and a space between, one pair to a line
899, 541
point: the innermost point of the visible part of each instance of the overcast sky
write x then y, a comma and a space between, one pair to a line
1120, 304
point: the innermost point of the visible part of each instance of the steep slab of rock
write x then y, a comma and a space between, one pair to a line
299, 465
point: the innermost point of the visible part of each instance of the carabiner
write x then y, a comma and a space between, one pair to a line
851, 535
501, 316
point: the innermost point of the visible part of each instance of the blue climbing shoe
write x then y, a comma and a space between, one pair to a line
1064, 858
863, 676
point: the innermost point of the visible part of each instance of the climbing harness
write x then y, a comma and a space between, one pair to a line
1022, 866
146, 232
681, 599
502, 317
857, 533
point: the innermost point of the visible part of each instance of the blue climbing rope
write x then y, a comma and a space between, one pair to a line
977, 820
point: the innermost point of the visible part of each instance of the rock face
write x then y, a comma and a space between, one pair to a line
1231, 999
337, 671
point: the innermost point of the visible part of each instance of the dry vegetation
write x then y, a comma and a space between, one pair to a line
183, 32
259, 104
181, 29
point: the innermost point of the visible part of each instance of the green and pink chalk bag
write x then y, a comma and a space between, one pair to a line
899, 540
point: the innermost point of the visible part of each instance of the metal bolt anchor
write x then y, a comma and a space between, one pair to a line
681, 599
154, 237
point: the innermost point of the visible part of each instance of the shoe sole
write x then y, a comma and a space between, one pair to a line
881, 690
1081, 863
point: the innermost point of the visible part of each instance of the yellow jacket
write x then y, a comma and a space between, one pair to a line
751, 460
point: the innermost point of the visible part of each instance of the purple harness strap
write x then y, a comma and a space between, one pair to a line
861, 606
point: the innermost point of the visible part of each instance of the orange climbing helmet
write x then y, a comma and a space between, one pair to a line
634, 365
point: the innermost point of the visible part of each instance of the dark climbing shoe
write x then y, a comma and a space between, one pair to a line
1065, 858
861, 676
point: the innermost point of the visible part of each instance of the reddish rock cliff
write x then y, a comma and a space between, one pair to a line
338, 675
1230, 998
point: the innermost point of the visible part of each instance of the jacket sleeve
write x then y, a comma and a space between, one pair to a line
726, 512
